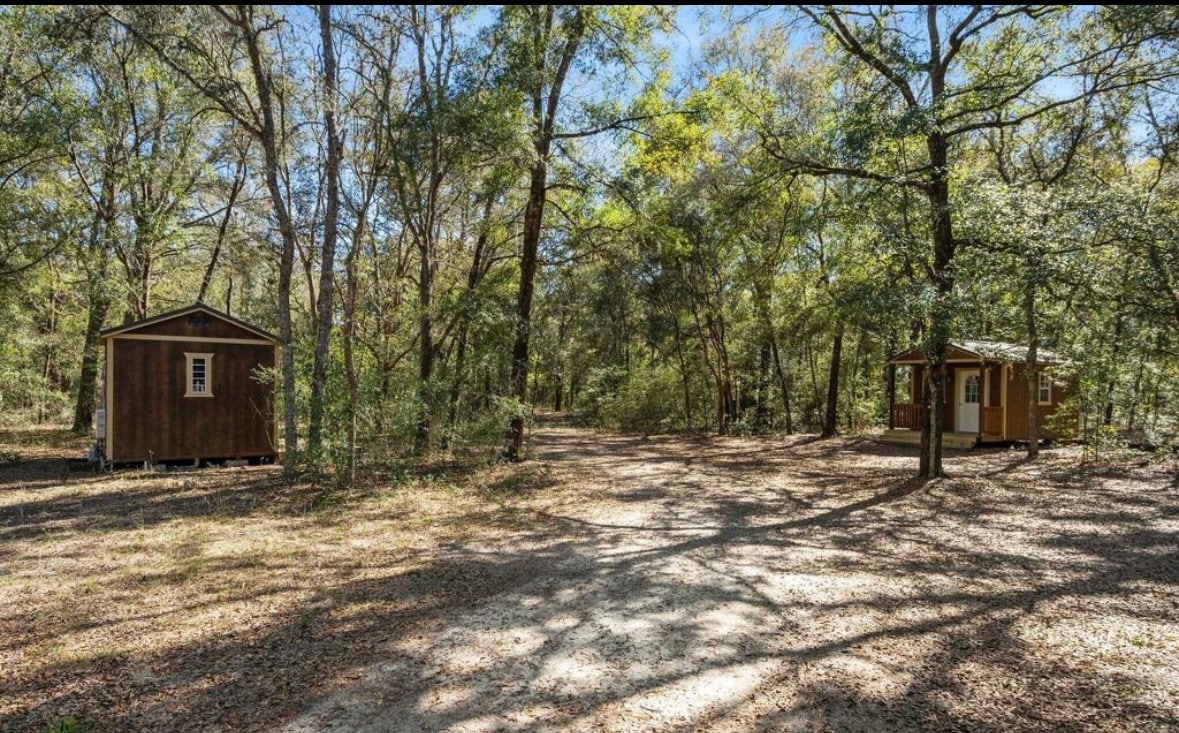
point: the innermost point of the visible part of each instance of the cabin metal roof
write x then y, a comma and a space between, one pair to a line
201, 307
995, 350
1006, 351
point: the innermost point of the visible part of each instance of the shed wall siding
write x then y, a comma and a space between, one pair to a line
152, 420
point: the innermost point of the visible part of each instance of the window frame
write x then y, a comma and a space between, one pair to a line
1043, 382
977, 377
189, 358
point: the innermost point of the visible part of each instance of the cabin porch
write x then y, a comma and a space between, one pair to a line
973, 396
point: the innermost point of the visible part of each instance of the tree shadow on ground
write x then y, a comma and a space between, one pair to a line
846, 599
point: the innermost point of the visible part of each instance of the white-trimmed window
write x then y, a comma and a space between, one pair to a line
1044, 396
198, 374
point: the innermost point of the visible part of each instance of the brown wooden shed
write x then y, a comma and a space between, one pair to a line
184, 386
986, 394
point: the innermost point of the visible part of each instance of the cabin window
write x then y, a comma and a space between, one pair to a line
198, 374
1045, 392
972, 390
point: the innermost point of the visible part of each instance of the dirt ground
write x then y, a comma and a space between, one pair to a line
615, 583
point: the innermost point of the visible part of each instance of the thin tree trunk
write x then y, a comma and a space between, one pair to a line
239, 181
474, 276
1032, 367
351, 288
762, 411
926, 457
850, 389
814, 369
684, 377
323, 330
270, 148
426, 351
84, 407
1111, 386
830, 418
784, 385
1136, 392
96, 256
456, 386
350, 291
562, 334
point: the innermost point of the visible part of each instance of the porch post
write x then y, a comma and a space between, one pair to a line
892, 392
982, 397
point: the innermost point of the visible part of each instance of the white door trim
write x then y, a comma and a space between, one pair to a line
961, 425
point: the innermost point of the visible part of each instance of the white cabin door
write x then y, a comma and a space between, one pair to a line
969, 390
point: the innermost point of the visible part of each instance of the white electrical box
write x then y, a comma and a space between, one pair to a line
100, 424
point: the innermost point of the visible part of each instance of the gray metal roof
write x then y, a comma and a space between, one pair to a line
1006, 351
995, 350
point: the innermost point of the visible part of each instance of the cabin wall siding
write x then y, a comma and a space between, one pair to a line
1017, 405
153, 420
994, 384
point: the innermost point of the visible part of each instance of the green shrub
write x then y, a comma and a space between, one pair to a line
68, 724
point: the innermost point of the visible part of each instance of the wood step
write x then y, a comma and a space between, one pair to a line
956, 441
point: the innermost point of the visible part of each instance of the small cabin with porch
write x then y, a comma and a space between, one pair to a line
185, 386
986, 394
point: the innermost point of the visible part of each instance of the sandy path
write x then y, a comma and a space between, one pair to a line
757, 584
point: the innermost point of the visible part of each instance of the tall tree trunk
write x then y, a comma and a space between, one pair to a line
726, 404
351, 288
239, 181
1115, 347
784, 385
270, 148
850, 390
456, 384
926, 453
84, 407
763, 294
1032, 366
938, 192
684, 376
96, 257
350, 291
559, 388
544, 116
762, 410
533, 215
331, 218
830, 418
474, 276
425, 351
1136, 392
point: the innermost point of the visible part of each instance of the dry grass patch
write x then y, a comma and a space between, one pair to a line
618, 583
132, 598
